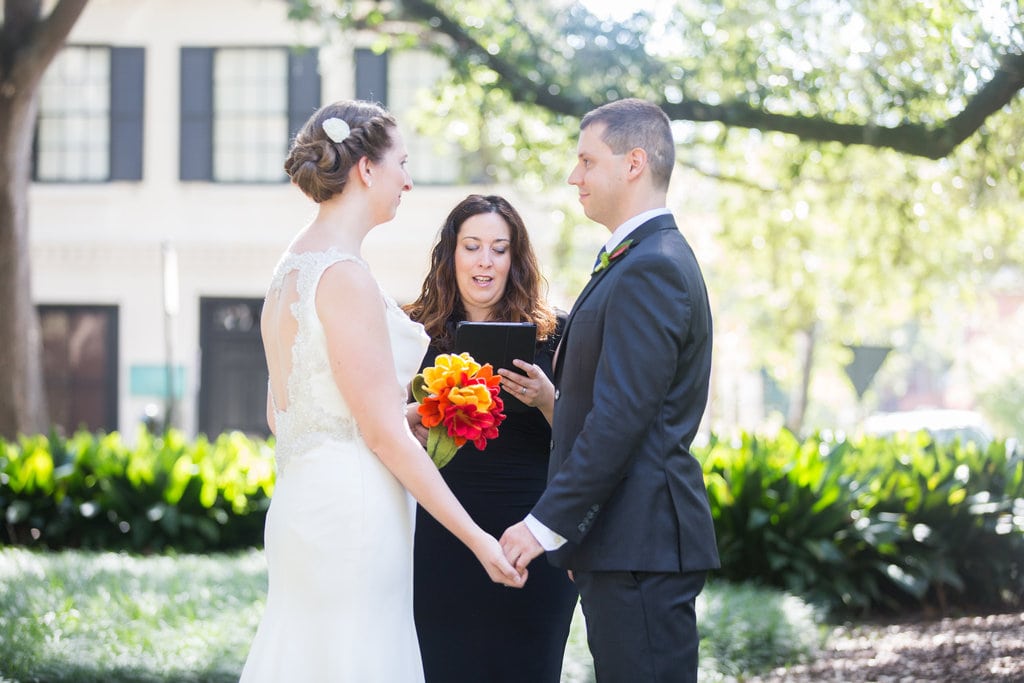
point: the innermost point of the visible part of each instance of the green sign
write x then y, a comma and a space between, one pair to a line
151, 380
865, 364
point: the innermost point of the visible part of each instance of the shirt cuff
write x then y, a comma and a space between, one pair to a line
547, 538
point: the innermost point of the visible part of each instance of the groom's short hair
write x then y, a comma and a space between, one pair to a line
632, 123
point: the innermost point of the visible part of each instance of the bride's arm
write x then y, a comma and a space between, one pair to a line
350, 307
271, 421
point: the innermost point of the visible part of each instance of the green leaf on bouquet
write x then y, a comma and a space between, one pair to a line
419, 391
440, 446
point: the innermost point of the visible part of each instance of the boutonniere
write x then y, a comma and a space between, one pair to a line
608, 257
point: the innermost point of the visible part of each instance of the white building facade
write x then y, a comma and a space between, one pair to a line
159, 205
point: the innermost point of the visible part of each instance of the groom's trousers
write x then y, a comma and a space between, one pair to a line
641, 626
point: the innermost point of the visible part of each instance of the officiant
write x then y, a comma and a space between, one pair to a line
483, 268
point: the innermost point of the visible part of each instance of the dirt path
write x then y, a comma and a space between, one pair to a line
968, 649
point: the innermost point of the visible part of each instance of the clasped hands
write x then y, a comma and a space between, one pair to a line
520, 546
506, 561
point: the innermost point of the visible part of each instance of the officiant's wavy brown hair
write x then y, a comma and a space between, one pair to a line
439, 307
319, 166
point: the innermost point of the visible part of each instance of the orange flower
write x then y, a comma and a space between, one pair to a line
433, 408
486, 373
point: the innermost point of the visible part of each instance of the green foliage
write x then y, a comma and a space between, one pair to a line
747, 628
97, 492
96, 617
84, 617
871, 524
865, 525
847, 240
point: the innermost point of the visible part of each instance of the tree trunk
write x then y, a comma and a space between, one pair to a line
22, 399
28, 43
798, 406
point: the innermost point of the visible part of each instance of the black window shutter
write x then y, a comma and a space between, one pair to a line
303, 87
196, 145
372, 76
127, 98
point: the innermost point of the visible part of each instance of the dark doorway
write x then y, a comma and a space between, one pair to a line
80, 366
233, 372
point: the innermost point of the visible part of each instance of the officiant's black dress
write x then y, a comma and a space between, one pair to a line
471, 629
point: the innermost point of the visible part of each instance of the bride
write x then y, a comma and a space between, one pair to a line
340, 354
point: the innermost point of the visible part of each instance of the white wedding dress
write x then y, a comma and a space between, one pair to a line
339, 531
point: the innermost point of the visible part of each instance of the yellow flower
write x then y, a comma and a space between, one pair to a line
447, 371
477, 395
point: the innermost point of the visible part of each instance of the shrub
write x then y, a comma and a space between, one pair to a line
962, 510
870, 525
748, 629
855, 526
786, 516
96, 492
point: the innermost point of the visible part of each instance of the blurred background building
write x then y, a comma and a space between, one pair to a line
159, 204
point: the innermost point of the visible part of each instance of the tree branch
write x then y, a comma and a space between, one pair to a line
37, 42
520, 87
19, 18
916, 139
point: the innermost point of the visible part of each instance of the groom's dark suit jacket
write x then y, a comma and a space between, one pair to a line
632, 379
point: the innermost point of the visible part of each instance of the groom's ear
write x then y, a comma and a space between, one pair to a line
636, 159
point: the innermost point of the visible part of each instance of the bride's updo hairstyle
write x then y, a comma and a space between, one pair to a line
318, 165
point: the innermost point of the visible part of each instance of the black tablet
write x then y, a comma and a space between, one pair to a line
498, 344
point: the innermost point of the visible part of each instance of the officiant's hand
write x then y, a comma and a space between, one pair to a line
534, 388
520, 545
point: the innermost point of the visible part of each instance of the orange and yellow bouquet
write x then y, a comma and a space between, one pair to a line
459, 402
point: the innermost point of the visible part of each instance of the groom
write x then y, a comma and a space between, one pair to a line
626, 509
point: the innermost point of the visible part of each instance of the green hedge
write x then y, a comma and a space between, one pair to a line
861, 525
163, 493
872, 524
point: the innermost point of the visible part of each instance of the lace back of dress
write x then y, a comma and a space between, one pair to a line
315, 411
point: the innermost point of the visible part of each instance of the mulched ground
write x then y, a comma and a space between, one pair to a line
969, 649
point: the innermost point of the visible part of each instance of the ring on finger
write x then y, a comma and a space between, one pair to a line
522, 390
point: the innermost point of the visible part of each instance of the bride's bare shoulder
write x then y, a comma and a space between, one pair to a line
348, 274
345, 286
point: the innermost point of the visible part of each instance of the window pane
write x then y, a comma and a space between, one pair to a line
410, 75
74, 116
250, 115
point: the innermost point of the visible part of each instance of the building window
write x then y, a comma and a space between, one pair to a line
240, 107
433, 160
250, 114
74, 116
89, 127
80, 366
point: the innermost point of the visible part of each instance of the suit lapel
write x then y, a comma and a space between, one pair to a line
663, 222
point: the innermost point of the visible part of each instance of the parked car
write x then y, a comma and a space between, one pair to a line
943, 425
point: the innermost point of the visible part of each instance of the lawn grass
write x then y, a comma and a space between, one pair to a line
87, 617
